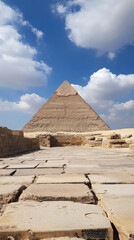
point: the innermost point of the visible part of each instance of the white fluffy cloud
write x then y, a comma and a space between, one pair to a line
104, 91
28, 103
18, 67
104, 25
121, 115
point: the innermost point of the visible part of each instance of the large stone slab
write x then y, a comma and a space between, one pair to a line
8, 193
22, 220
113, 190
22, 166
57, 192
120, 211
26, 180
36, 172
62, 178
80, 168
51, 165
119, 177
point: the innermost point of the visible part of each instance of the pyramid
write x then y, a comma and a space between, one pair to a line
65, 111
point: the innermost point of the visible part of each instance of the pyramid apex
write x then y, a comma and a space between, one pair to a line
66, 89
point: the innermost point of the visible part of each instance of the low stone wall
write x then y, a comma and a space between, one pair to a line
67, 140
44, 140
123, 138
61, 139
13, 142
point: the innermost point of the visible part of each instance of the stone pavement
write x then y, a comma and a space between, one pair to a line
67, 193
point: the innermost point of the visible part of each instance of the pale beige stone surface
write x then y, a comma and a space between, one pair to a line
55, 219
26, 172
131, 147
8, 193
6, 172
113, 190
80, 168
22, 166
48, 158
117, 177
121, 213
51, 165
56, 192
26, 180
62, 178
2, 166
110, 165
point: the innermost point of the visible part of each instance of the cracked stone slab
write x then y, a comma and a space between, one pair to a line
54, 219
39, 171
62, 178
22, 166
113, 190
26, 180
58, 192
8, 193
120, 211
119, 177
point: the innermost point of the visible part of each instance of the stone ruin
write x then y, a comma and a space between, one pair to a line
67, 120
13, 142
82, 189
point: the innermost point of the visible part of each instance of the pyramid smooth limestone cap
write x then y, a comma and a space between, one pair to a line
66, 89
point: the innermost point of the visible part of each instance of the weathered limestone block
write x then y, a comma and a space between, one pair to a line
39, 171
62, 178
4, 130
125, 145
120, 211
99, 139
51, 164
90, 138
23, 166
17, 133
9, 192
13, 142
94, 143
54, 219
113, 177
127, 136
114, 136
114, 143
44, 140
58, 192
62, 139
23, 180
131, 147
113, 190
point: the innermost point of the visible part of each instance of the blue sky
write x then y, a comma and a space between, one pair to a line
90, 43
